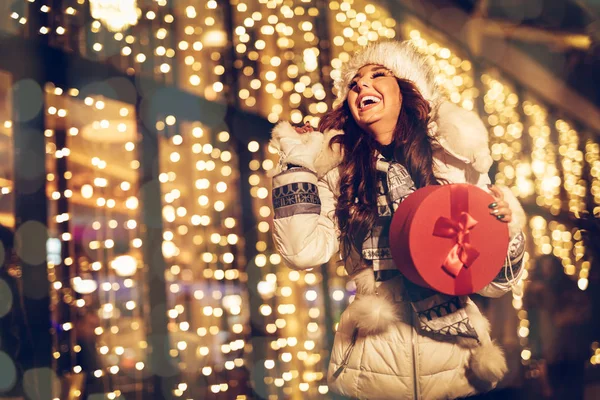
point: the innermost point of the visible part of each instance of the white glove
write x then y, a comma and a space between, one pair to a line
299, 149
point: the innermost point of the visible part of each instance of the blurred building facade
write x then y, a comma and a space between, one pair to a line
134, 176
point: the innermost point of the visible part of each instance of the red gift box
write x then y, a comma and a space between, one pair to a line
444, 238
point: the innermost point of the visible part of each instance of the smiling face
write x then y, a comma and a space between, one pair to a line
375, 101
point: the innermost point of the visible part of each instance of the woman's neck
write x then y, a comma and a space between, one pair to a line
381, 131
384, 138
387, 150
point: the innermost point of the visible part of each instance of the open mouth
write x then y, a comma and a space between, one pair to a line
368, 102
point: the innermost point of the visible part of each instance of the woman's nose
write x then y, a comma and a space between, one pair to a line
362, 83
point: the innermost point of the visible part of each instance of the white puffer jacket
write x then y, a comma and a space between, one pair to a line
391, 360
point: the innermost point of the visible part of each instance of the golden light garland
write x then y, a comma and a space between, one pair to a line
200, 38
595, 358
592, 157
453, 74
572, 164
544, 158
294, 361
354, 25
506, 131
279, 76
199, 226
114, 211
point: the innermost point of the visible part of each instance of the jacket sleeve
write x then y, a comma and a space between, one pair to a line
304, 230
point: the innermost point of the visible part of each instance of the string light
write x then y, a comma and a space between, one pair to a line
117, 15
454, 75
592, 157
87, 277
572, 164
543, 163
501, 107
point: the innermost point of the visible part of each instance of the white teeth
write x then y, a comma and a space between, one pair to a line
369, 98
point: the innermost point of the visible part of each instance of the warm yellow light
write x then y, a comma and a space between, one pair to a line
84, 286
124, 265
132, 203
115, 15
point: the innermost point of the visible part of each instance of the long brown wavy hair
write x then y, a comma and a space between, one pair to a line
356, 210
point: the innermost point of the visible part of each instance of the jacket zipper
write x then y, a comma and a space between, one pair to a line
415, 357
347, 355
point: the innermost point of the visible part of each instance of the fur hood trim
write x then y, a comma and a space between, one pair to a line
456, 131
462, 134
402, 58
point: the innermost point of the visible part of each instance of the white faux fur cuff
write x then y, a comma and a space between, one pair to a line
329, 157
310, 150
295, 148
463, 135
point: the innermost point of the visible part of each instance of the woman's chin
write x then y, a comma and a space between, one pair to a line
378, 125
368, 119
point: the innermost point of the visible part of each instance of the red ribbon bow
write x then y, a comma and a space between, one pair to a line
462, 254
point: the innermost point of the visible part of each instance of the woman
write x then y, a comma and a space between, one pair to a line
337, 190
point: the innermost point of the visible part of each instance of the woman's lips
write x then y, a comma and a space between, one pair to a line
368, 107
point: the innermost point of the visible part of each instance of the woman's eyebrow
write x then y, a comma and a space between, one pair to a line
378, 68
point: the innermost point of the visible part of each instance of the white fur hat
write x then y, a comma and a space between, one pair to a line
458, 131
402, 58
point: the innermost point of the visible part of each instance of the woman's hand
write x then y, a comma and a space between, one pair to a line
305, 128
499, 208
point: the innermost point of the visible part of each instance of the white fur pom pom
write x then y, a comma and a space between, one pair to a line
479, 323
482, 161
364, 279
372, 314
488, 362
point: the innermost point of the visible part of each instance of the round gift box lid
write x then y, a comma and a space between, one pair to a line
421, 254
